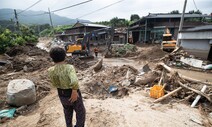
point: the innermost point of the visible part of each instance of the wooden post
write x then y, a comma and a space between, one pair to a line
50, 17
16, 18
181, 22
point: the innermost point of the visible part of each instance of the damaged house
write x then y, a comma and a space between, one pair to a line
197, 41
97, 33
78, 31
151, 27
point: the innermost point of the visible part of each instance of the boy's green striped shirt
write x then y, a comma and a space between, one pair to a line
63, 76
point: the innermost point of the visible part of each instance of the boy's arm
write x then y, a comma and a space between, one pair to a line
74, 80
74, 84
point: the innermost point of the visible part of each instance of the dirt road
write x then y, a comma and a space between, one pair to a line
135, 110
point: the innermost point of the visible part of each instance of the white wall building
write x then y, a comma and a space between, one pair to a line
197, 41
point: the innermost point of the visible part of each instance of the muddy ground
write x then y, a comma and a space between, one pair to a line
131, 106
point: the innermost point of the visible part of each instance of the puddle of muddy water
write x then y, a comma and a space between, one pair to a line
122, 61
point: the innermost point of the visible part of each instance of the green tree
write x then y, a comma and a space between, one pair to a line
106, 23
38, 28
9, 39
116, 22
174, 12
134, 17
49, 32
7, 24
195, 12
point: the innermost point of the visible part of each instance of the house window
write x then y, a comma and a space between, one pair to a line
116, 38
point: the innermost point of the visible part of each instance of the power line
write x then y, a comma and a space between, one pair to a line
29, 7
100, 9
195, 5
94, 11
58, 9
71, 6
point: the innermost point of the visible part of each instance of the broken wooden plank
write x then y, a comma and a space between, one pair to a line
175, 50
167, 95
196, 91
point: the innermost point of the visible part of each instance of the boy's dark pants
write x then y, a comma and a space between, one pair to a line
68, 107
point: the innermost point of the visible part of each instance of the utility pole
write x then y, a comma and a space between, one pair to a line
38, 29
50, 17
145, 34
181, 22
16, 18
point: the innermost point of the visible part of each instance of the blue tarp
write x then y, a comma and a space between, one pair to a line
9, 113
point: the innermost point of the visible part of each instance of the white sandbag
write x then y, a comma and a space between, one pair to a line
21, 92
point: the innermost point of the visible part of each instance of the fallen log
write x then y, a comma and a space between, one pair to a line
167, 95
196, 91
166, 67
145, 79
170, 70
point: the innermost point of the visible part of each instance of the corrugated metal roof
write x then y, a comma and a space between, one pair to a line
174, 16
93, 25
167, 15
199, 28
86, 24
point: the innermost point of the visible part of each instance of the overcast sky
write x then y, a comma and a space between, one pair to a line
122, 9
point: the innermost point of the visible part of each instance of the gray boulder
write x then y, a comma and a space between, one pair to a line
21, 92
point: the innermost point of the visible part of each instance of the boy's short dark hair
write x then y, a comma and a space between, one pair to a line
57, 54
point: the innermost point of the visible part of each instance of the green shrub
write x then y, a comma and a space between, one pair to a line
30, 39
9, 39
46, 32
5, 40
130, 47
121, 50
18, 41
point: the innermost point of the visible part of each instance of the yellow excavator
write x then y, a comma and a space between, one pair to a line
168, 44
80, 47
73, 47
